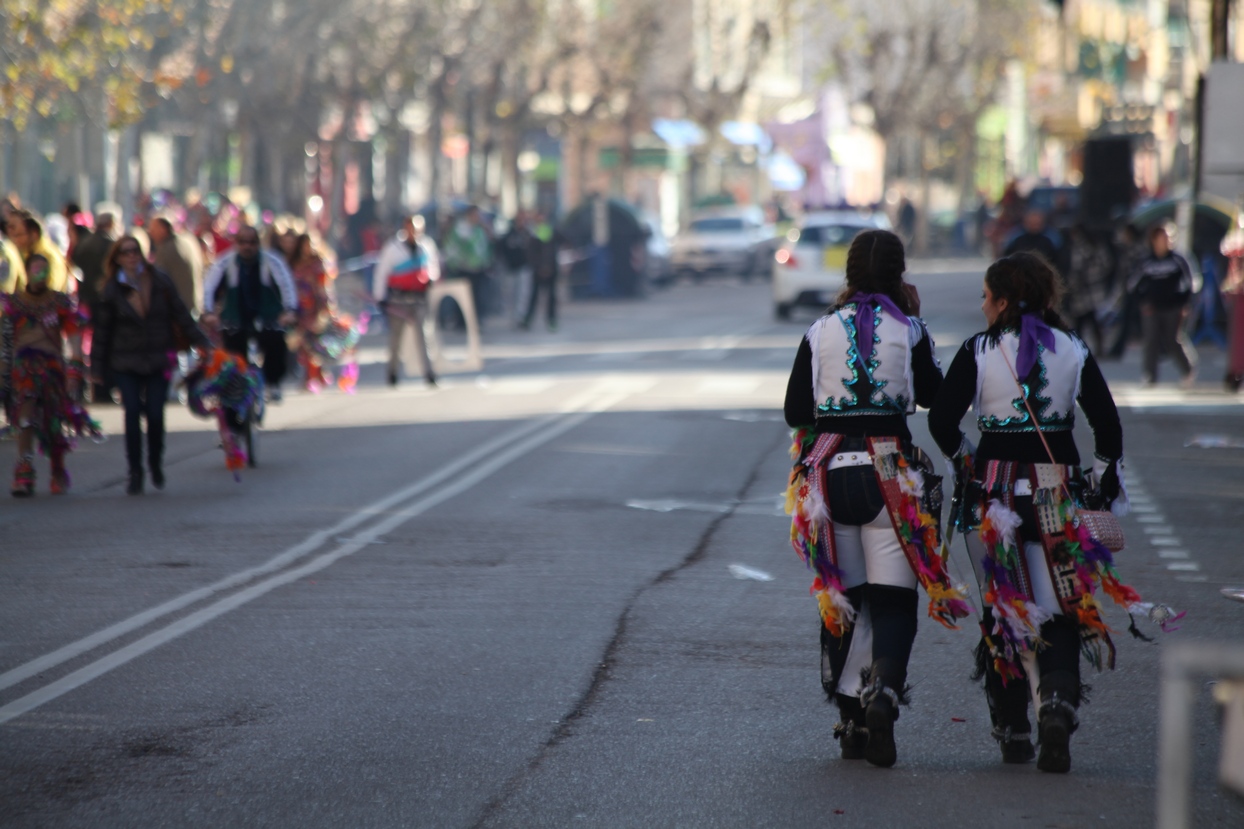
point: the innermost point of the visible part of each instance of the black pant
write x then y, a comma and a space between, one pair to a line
143, 395
549, 287
271, 345
1058, 659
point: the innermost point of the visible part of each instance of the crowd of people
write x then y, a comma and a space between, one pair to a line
93, 310
98, 311
1134, 285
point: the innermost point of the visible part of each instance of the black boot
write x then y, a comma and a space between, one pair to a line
880, 712
892, 611
1016, 748
135, 486
850, 731
1059, 663
1055, 723
1008, 704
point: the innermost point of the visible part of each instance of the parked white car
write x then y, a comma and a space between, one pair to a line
809, 266
726, 240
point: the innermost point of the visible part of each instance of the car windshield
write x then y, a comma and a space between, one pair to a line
830, 234
717, 225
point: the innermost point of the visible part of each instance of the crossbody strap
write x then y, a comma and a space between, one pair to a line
1023, 395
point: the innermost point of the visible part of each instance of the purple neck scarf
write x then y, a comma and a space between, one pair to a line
864, 320
1032, 332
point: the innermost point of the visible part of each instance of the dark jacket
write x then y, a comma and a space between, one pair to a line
89, 254
1036, 243
125, 342
1163, 283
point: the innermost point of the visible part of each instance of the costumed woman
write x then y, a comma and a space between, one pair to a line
323, 336
1038, 567
140, 326
865, 503
311, 280
39, 387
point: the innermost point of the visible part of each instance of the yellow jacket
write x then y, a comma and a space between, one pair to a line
12, 271
58, 271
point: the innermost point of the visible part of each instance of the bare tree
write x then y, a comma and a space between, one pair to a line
922, 66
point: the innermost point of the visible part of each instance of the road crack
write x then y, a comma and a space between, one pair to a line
600, 676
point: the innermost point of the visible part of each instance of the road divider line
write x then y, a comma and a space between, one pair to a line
482, 470
300, 550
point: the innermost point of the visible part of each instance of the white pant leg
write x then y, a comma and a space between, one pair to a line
1042, 586
522, 293
850, 551
884, 559
860, 655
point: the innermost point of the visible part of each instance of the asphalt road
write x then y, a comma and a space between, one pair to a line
555, 593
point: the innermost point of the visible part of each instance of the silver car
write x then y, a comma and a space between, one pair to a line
727, 241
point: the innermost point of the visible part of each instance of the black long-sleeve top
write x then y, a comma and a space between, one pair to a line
959, 390
800, 406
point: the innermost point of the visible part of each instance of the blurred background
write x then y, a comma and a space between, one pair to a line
946, 114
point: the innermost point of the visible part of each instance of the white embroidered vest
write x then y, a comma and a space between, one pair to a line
836, 366
998, 405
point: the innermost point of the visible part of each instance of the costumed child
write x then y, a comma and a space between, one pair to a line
864, 500
1019, 499
39, 386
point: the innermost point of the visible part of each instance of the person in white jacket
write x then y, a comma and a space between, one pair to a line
250, 293
408, 264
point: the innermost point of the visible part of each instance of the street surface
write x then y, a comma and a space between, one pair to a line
556, 593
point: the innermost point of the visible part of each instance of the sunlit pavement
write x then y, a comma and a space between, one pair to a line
555, 592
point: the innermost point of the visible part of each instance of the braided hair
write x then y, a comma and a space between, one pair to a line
1030, 285
875, 265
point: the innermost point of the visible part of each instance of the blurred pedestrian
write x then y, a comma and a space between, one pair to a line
1232, 247
514, 251
12, 268
39, 387
468, 255
142, 323
408, 265
89, 253
26, 233
250, 294
1162, 285
1035, 237
180, 258
1088, 284
1038, 572
311, 281
542, 254
1129, 249
866, 500
907, 219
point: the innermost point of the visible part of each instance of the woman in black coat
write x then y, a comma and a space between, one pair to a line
138, 323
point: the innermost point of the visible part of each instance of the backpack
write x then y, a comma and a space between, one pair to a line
411, 274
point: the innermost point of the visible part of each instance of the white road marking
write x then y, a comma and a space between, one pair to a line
670, 505
1165, 541
728, 386
1173, 554
520, 385
742, 571
1184, 565
1161, 529
304, 548
1156, 518
197, 619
